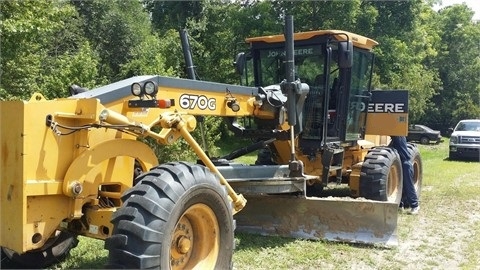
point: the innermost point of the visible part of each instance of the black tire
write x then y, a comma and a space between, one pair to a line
315, 190
417, 167
54, 251
265, 157
137, 171
381, 175
178, 216
452, 155
424, 140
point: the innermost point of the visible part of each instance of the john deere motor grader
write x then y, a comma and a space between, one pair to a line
76, 166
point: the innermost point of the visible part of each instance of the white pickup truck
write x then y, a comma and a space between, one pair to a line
465, 140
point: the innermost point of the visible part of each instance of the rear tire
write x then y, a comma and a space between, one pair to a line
54, 251
417, 167
381, 175
177, 217
424, 140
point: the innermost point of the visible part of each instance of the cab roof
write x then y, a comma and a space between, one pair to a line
358, 40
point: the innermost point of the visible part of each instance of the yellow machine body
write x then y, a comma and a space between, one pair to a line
40, 169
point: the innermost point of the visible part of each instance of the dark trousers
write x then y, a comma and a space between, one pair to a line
409, 194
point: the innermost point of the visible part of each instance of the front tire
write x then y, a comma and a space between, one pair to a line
452, 156
178, 216
55, 250
381, 175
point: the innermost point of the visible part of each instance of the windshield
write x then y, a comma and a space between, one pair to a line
309, 68
308, 64
421, 128
468, 126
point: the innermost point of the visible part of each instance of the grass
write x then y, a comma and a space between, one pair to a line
445, 235
228, 146
89, 254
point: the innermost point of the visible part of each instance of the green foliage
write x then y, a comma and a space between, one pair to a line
168, 15
458, 65
172, 51
395, 18
115, 29
146, 59
206, 134
36, 37
64, 70
313, 15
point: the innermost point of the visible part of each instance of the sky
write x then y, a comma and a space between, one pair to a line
473, 4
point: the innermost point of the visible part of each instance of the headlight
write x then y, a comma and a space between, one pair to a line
136, 89
453, 139
151, 88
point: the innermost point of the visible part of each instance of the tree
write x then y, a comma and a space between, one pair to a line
115, 29
166, 15
41, 49
458, 63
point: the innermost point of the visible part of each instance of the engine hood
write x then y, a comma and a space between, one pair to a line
466, 133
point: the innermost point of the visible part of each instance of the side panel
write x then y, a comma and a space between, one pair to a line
34, 161
387, 113
12, 210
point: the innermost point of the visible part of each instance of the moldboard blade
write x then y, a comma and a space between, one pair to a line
334, 219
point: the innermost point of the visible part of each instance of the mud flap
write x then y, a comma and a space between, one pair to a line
334, 219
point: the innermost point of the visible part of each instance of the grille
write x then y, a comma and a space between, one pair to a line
469, 140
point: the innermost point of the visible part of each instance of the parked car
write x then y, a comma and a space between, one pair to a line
423, 134
465, 140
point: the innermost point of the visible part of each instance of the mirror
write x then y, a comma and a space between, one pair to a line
240, 63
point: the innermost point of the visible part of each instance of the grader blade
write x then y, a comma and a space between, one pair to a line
339, 219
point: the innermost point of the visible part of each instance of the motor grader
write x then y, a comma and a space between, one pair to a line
80, 165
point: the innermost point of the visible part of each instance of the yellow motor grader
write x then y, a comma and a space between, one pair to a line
79, 165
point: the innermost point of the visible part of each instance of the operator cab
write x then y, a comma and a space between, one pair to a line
337, 65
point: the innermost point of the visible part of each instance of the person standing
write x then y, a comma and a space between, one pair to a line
409, 194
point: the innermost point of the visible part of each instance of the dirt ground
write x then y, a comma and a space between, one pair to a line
445, 235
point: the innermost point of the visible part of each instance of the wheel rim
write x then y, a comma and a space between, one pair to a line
393, 181
416, 175
195, 241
